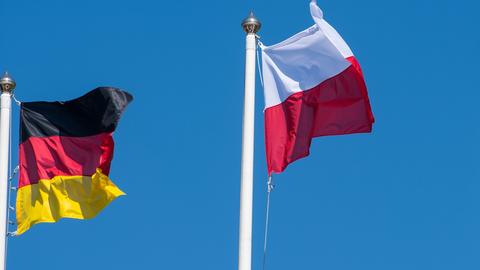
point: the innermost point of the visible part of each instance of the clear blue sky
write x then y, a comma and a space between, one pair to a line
404, 197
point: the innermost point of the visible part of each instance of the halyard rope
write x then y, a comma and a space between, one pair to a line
16, 100
12, 174
270, 184
270, 187
259, 44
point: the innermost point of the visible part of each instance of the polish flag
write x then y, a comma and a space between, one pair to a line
313, 87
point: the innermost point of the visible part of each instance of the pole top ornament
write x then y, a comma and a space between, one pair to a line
251, 24
7, 83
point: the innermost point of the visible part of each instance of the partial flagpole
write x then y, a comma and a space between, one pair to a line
250, 25
7, 84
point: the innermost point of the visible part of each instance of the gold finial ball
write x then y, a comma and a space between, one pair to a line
251, 24
7, 83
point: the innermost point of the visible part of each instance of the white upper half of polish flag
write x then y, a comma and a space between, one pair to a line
304, 60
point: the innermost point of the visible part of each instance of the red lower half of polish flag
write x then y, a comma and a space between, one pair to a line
336, 106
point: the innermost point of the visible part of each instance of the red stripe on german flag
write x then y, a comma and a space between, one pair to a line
65, 153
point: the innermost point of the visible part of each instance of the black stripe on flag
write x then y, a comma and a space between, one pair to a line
96, 112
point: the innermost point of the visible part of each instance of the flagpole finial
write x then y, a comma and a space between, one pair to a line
251, 24
7, 83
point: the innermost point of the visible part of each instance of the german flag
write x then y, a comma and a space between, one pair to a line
65, 153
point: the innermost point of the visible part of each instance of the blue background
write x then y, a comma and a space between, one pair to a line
404, 197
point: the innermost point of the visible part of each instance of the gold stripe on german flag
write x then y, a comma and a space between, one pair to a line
65, 153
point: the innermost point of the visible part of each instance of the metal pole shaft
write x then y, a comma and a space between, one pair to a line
250, 25
7, 84
246, 193
5, 108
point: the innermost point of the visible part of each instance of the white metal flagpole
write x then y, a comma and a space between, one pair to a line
7, 84
250, 25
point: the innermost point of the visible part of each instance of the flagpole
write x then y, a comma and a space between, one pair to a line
250, 25
7, 84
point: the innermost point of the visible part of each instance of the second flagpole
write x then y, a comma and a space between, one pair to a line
7, 84
250, 25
